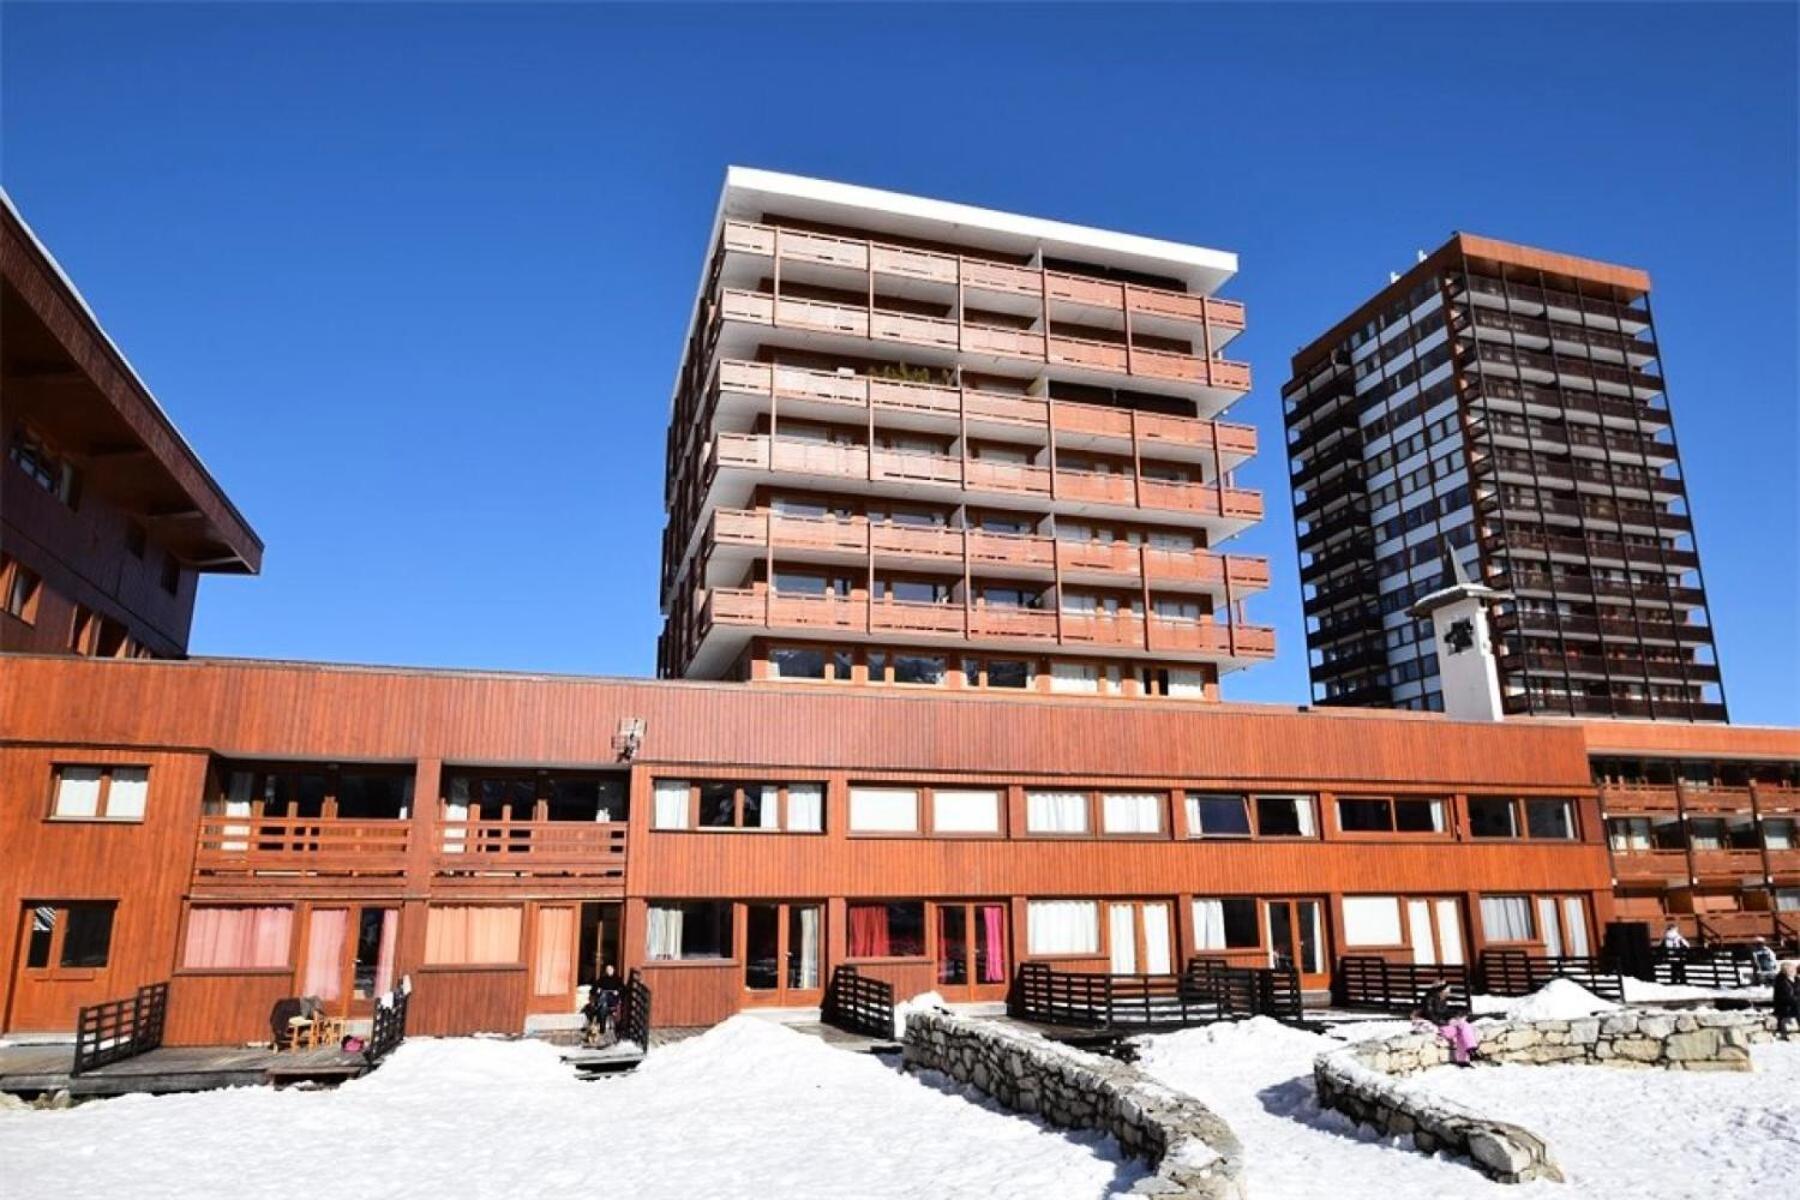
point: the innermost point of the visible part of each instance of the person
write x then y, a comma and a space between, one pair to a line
1787, 996
1762, 962
1435, 1010
1672, 939
602, 1008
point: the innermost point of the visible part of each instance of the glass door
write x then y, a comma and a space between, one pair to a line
782, 953
1297, 939
971, 950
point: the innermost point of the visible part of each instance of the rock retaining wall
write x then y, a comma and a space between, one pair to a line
1194, 1152
1359, 1080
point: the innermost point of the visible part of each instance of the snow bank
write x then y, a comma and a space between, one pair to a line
923, 1002
1558, 1000
1645, 991
747, 1109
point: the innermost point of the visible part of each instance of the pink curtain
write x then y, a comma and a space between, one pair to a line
868, 931
553, 972
993, 936
228, 938
384, 963
324, 976
468, 934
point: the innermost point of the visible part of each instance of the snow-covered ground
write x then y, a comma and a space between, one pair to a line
748, 1109
1619, 1135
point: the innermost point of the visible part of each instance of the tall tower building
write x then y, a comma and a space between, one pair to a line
921, 444
1509, 403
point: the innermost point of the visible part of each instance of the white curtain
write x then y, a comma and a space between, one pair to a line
670, 807
1372, 921
456, 814
78, 792
768, 813
1547, 925
884, 810
1074, 677
1156, 940
1056, 812
1209, 924
1063, 927
125, 801
1450, 941
1575, 921
965, 811
664, 933
806, 808
1418, 919
808, 974
1505, 919
1437, 816
237, 803
1186, 684
1303, 812
1131, 812
1122, 923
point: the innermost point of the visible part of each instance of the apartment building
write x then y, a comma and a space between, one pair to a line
915, 443
1508, 403
107, 516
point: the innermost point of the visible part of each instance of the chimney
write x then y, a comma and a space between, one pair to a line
1468, 672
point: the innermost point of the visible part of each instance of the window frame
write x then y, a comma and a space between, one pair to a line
740, 793
1391, 803
102, 801
918, 794
1199, 798
16, 575
1089, 817
930, 803
927, 948
54, 969
1303, 801
1520, 810
1160, 801
734, 923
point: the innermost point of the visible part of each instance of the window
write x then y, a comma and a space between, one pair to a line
1226, 923
41, 465
1285, 816
669, 804
378, 796
473, 934
1364, 816
1550, 819
221, 938
884, 810
736, 804
1499, 817
1062, 927
1372, 921
100, 793
999, 672
1074, 677
1056, 812
1490, 817
18, 589
1628, 835
891, 930
957, 811
797, 662
1778, 833
69, 936
919, 668
1383, 815
1506, 918
1131, 813
694, 929
1217, 816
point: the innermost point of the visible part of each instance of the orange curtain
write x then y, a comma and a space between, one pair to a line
325, 953
470, 934
237, 938
554, 968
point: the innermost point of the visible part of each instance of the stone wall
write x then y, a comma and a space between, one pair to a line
1194, 1152
1359, 1080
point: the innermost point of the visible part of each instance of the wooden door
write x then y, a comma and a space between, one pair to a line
783, 954
1297, 939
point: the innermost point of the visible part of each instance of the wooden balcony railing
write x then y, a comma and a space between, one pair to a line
1717, 864
474, 850
1623, 799
247, 846
982, 274
1651, 866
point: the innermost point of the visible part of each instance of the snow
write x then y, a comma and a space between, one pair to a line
1619, 1135
747, 1109
1558, 1000
923, 1002
1644, 991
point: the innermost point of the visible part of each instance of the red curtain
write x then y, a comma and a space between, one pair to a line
868, 931
993, 927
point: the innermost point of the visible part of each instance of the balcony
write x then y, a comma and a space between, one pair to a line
1669, 868
584, 855
739, 535
238, 849
1201, 640
1716, 801
1728, 864
1630, 799
1784, 866
1216, 381
1602, 550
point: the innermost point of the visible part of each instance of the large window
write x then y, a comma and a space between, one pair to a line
693, 929
1383, 814
1056, 812
238, 937
959, 810
737, 804
1372, 921
316, 790
884, 810
928, 669
1131, 813
473, 934
1226, 923
1511, 817
42, 465
69, 936
1063, 927
1628, 835
99, 793
797, 662
1491, 817
1212, 815
1285, 816
500, 796
895, 929
1506, 918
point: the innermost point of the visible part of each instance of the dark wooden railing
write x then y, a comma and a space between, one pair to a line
1516, 973
634, 1011
857, 1003
1369, 981
1247, 991
252, 845
1208, 990
389, 1028
591, 851
1702, 968
120, 1029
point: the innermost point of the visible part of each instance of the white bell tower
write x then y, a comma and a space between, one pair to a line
1468, 671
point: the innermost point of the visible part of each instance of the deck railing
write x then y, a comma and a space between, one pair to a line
1713, 968
116, 1030
1208, 990
253, 845
1517, 973
634, 1011
858, 1003
592, 850
389, 1028
1369, 981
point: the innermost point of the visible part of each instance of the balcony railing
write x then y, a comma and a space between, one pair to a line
1721, 864
248, 846
1627, 799
914, 329
856, 613
591, 851
981, 274
1651, 866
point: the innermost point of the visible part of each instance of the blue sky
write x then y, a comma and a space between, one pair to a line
414, 279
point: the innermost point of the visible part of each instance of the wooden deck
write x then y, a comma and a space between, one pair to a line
31, 1070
